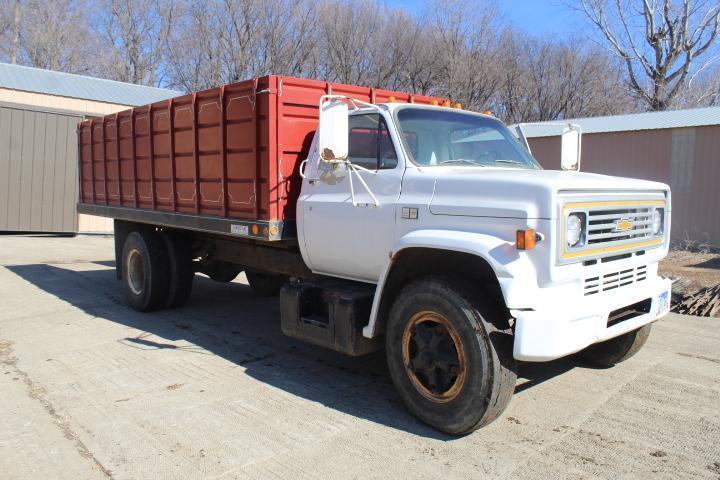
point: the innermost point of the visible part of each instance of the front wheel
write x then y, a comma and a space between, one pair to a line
449, 352
618, 349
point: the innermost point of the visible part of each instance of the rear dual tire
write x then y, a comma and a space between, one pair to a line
265, 284
181, 270
157, 270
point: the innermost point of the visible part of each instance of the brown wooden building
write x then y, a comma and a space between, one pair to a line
680, 148
39, 113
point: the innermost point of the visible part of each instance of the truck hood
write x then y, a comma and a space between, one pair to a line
515, 193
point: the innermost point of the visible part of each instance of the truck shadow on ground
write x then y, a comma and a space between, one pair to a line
230, 321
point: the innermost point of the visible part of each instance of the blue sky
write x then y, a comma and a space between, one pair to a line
537, 17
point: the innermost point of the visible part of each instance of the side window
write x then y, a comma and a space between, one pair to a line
370, 145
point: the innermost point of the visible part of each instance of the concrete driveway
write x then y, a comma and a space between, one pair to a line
92, 389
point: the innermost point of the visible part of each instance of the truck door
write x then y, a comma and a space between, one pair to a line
354, 241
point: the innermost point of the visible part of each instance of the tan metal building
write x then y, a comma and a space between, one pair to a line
39, 111
680, 148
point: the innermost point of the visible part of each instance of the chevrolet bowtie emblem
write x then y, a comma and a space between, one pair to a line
623, 225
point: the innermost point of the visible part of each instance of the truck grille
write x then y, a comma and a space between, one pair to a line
607, 225
611, 227
613, 280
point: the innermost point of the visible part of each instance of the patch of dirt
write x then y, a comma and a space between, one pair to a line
697, 289
695, 270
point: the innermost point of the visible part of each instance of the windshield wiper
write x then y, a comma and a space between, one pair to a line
514, 162
462, 160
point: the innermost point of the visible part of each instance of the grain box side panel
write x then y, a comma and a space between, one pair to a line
142, 158
298, 118
126, 160
85, 162
246, 151
112, 163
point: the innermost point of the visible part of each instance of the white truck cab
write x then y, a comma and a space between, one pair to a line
564, 260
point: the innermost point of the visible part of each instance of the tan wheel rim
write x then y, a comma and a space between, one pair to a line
135, 272
433, 356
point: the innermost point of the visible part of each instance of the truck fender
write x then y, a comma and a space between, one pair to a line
502, 256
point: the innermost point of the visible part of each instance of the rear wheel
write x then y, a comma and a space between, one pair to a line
449, 352
618, 349
145, 270
181, 270
223, 272
265, 284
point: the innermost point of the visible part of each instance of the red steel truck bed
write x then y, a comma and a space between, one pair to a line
223, 160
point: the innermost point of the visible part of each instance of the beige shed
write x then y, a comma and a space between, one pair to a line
39, 112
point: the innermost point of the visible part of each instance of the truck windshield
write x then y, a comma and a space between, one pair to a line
436, 137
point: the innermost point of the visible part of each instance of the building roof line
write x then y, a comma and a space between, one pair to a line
70, 85
691, 117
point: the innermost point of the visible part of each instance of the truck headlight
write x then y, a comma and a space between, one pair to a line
574, 229
657, 221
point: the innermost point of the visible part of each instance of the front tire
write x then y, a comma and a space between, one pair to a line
449, 352
145, 270
616, 350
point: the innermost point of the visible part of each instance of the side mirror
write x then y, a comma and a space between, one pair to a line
333, 125
520, 134
570, 147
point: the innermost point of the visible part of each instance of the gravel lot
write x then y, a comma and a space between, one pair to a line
92, 389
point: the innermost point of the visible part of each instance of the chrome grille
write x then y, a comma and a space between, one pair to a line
613, 280
611, 226
606, 225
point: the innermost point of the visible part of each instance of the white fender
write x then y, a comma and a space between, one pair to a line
511, 266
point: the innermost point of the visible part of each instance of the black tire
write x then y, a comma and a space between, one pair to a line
266, 284
485, 339
223, 272
181, 270
145, 270
616, 350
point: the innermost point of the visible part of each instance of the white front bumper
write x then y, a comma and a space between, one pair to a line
554, 332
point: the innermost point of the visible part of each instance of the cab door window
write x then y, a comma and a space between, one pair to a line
370, 145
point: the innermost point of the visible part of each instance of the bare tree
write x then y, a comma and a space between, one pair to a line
457, 49
703, 91
134, 33
193, 59
10, 18
658, 40
467, 40
50, 34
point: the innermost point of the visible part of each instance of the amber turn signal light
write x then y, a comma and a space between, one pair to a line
525, 239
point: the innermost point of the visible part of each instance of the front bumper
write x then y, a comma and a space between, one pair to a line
553, 332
